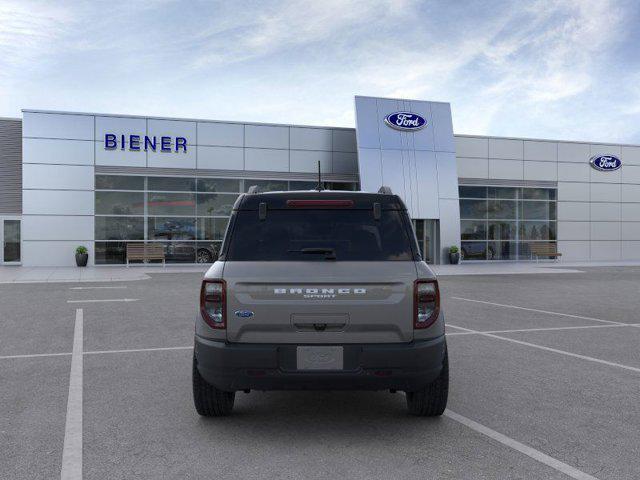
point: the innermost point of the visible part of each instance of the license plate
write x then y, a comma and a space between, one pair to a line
320, 358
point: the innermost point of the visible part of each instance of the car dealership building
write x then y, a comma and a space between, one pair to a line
105, 181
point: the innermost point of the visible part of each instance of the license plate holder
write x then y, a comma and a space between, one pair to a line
320, 358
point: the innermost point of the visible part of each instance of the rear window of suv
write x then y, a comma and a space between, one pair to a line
302, 235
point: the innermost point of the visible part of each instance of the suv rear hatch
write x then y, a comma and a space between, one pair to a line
332, 268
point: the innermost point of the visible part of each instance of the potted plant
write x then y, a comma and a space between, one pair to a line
454, 255
82, 256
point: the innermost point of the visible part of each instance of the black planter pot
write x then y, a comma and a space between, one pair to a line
82, 259
454, 258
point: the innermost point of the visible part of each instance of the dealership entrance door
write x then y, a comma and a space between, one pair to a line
428, 235
10, 240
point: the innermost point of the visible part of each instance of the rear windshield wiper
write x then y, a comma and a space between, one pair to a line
330, 253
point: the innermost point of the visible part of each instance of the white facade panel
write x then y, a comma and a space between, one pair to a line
58, 177
120, 126
545, 151
605, 230
119, 157
370, 167
57, 202
172, 159
630, 230
630, 155
605, 212
311, 139
442, 127
428, 201
574, 152
506, 149
172, 128
574, 172
630, 193
473, 167
596, 176
344, 162
449, 226
630, 212
391, 139
56, 227
266, 136
506, 169
220, 158
52, 253
472, 147
307, 161
605, 192
344, 141
393, 173
630, 174
367, 122
574, 251
57, 125
605, 251
433, 133
573, 231
447, 175
573, 192
547, 171
605, 150
266, 160
630, 250
220, 134
66, 152
574, 211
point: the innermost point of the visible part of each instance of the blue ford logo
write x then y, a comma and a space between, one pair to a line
605, 163
405, 121
243, 313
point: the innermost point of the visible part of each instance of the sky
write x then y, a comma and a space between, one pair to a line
540, 69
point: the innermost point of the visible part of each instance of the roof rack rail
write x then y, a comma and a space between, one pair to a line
384, 190
253, 189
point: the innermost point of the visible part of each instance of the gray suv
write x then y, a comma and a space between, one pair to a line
320, 290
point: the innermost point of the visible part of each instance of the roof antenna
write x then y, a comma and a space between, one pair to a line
319, 188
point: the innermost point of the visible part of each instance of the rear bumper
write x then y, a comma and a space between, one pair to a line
400, 366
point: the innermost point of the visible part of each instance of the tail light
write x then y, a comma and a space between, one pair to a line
426, 303
213, 303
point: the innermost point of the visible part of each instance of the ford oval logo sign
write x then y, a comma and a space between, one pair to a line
405, 121
605, 163
243, 313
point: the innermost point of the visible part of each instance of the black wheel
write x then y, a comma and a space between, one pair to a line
208, 400
432, 400
204, 256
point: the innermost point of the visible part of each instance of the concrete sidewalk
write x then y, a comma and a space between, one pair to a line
19, 274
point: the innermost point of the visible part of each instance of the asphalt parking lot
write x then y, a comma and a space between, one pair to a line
545, 384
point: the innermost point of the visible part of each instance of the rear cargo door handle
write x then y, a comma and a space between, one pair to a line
319, 322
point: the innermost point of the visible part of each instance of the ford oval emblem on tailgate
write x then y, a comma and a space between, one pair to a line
243, 313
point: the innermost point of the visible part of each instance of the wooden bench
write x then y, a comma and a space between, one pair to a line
145, 252
544, 250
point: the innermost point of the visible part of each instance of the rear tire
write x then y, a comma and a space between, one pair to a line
208, 400
431, 401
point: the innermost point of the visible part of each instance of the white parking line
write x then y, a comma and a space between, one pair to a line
96, 352
98, 288
34, 355
549, 349
72, 448
159, 349
543, 329
538, 311
520, 447
107, 300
